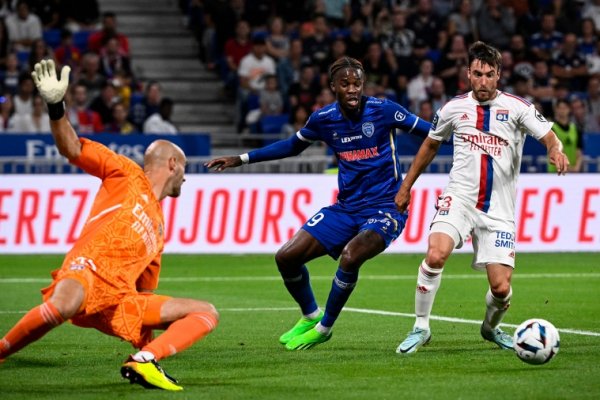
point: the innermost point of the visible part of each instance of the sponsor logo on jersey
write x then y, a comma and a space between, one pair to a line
434, 122
348, 139
540, 117
488, 143
368, 129
80, 263
502, 115
399, 116
464, 117
361, 154
505, 240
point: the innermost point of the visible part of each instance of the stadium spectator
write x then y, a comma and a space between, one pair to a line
80, 15
376, 68
270, 99
586, 42
298, 117
316, 46
337, 12
67, 53
522, 56
425, 24
495, 23
570, 136
23, 27
592, 105
463, 22
542, 87
253, 68
81, 117
357, 41
221, 24
398, 44
364, 221
160, 122
98, 39
468, 208
305, 91
568, 66
23, 100
38, 52
4, 48
49, 12
36, 122
586, 122
592, 10
437, 95
325, 98
337, 50
119, 123
90, 75
113, 59
419, 86
455, 57
289, 69
236, 48
103, 103
7, 110
149, 104
278, 42
426, 111
107, 279
545, 43
9, 78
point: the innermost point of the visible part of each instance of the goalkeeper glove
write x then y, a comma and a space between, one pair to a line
51, 89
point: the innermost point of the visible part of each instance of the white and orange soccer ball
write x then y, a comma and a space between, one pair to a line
536, 341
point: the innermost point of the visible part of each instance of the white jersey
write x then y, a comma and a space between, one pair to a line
488, 146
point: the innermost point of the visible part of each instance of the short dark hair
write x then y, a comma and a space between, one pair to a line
486, 54
344, 62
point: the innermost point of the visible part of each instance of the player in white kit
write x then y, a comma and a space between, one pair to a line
489, 128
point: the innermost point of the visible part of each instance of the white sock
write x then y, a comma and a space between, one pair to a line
495, 309
143, 356
324, 330
428, 283
313, 314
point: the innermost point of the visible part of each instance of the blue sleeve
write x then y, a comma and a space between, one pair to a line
400, 117
291, 146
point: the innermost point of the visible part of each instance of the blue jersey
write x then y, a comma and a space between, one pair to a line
369, 170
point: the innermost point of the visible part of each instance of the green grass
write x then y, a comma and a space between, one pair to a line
242, 359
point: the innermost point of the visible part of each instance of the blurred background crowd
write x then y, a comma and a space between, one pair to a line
272, 58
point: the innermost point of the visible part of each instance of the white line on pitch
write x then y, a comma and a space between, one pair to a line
374, 312
320, 278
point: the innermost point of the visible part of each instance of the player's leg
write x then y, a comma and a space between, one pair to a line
442, 241
186, 321
497, 301
376, 230
66, 300
291, 259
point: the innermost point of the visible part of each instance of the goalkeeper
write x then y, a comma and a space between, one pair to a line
107, 279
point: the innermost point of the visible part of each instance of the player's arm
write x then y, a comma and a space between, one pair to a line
556, 156
407, 121
291, 146
53, 91
424, 156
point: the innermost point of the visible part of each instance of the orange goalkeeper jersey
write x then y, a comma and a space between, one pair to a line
122, 240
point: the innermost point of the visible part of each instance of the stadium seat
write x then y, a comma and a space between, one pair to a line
52, 37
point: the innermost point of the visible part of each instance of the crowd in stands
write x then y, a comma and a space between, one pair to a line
105, 95
413, 51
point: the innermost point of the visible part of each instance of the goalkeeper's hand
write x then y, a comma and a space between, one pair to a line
51, 89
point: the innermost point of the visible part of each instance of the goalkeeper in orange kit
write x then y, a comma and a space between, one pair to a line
107, 278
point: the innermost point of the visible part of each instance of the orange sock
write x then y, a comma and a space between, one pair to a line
182, 334
35, 324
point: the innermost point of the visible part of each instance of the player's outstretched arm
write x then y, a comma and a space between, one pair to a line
424, 156
556, 156
53, 92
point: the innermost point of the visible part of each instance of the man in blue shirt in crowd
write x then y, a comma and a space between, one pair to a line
364, 220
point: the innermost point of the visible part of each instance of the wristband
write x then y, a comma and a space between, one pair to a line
56, 110
245, 158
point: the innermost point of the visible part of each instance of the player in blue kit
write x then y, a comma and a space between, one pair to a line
364, 220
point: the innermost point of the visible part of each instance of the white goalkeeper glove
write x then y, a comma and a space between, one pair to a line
51, 89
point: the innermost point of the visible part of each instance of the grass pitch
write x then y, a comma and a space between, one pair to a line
242, 359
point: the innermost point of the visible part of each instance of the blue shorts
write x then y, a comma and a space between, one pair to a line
335, 226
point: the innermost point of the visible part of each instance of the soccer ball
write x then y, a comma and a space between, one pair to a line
536, 341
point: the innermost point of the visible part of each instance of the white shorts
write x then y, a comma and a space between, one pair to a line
493, 239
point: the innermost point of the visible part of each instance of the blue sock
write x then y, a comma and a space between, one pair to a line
341, 288
297, 283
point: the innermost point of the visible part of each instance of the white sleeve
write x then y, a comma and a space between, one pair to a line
534, 123
441, 126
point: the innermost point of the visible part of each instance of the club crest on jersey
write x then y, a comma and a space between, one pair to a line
368, 129
502, 115
398, 116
